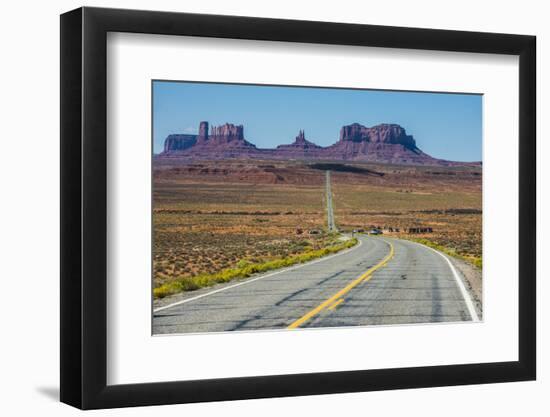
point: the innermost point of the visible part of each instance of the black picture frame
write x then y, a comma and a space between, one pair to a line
84, 207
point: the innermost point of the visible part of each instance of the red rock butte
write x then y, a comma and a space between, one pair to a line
384, 143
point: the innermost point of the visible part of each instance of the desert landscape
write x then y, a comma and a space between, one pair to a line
357, 224
212, 216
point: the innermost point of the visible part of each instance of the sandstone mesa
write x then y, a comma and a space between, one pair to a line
383, 143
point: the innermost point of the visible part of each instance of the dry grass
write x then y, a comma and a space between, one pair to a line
245, 269
219, 216
450, 202
205, 227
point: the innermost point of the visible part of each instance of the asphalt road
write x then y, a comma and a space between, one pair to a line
381, 281
331, 225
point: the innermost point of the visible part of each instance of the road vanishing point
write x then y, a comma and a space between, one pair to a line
331, 225
379, 281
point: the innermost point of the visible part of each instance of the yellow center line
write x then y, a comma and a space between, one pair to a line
336, 304
364, 277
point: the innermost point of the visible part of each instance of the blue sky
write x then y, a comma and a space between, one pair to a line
447, 126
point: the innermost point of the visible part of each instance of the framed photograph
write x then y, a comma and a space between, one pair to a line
260, 208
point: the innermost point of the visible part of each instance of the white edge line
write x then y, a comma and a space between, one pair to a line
257, 278
461, 287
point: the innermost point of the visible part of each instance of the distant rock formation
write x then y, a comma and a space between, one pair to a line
228, 132
301, 148
225, 141
384, 133
387, 143
203, 130
384, 143
177, 143
300, 143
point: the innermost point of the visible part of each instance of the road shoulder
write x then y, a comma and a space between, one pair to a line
473, 280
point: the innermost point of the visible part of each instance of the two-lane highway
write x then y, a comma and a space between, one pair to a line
379, 281
331, 224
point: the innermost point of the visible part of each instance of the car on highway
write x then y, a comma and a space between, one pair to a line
374, 232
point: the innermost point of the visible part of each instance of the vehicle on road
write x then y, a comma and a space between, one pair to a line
374, 232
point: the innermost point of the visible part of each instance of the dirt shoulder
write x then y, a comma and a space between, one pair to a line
473, 279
